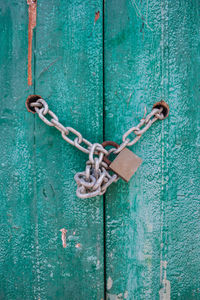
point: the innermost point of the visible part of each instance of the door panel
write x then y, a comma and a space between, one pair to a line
69, 77
148, 246
152, 228
39, 196
17, 250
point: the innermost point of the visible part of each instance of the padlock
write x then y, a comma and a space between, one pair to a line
125, 164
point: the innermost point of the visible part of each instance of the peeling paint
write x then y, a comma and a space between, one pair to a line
63, 237
98, 264
120, 296
97, 15
126, 295
165, 291
115, 297
109, 283
32, 13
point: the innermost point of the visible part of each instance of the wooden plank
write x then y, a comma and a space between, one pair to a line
69, 77
152, 224
17, 252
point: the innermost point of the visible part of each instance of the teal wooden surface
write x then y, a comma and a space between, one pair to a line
152, 240
38, 192
69, 76
151, 51
17, 218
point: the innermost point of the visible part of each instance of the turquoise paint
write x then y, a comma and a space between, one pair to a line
151, 51
152, 249
38, 191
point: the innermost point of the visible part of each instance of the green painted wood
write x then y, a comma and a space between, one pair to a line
17, 253
152, 224
69, 76
38, 190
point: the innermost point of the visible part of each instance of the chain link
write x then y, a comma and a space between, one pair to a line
96, 178
142, 127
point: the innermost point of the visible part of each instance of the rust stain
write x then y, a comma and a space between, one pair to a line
165, 108
63, 237
32, 12
97, 15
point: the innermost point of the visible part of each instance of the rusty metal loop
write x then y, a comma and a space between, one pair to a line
32, 99
165, 109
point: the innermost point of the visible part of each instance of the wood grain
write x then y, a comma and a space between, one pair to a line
69, 77
39, 193
52, 243
152, 52
17, 250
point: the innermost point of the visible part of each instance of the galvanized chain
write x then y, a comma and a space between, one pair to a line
96, 178
42, 109
144, 124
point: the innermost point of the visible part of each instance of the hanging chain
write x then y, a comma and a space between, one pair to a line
42, 109
96, 177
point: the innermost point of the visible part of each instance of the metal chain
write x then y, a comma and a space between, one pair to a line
42, 109
142, 127
96, 178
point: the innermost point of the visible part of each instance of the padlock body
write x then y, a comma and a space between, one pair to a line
125, 164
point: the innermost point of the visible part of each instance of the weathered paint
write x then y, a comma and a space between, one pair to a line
69, 76
17, 247
97, 16
152, 224
32, 16
109, 283
63, 237
38, 192
151, 53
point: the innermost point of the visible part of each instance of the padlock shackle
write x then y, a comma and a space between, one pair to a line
105, 144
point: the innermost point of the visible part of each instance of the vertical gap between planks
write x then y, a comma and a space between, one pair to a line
104, 196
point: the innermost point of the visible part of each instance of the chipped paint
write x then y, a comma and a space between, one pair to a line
109, 283
25, 258
98, 264
115, 296
119, 296
97, 15
78, 245
63, 237
32, 13
165, 291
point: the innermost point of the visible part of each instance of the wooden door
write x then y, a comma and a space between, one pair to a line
99, 65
